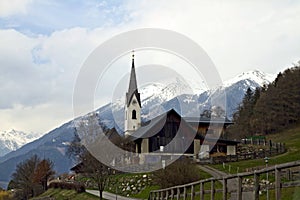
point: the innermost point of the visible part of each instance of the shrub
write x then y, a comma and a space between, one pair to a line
180, 172
4, 195
68, 186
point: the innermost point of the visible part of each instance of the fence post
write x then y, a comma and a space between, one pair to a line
288, 174
277, 184
167, 194
224, 189
162, 195
192, 192
178, 193
212, 191
256, 186
270, 147
157, 195
239, 188
172, 194
184, 193
201, 190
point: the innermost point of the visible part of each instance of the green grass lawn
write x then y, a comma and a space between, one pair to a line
144, 194
286, 194
60, 194
290, 137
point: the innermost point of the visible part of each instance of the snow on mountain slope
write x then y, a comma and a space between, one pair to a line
12, 140
157, 98
256, 76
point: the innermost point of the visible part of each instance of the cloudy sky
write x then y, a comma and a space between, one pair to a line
43, 44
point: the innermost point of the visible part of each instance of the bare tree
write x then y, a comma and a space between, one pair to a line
31, 176
43, 172
89, 129
95, 170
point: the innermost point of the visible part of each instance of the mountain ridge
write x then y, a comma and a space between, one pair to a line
12, 140
54, 144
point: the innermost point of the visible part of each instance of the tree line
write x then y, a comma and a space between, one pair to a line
269, 109
31, 177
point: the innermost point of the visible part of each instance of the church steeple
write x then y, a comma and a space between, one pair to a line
132, 89
132, 104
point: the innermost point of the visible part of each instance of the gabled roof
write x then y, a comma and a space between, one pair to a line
132, 90
153, 126
78, 168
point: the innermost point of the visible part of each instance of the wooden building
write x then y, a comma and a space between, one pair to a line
170, 133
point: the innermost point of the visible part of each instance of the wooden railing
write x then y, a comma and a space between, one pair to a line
188, 191
273, 150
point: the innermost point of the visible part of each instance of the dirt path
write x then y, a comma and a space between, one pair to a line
231, 184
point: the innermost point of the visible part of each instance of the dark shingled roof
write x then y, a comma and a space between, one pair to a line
156, 124
132, 90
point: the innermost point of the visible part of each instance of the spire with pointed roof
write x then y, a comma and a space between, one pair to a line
133, 104
132, 90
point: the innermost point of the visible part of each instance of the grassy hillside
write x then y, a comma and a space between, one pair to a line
60, 194
290, 137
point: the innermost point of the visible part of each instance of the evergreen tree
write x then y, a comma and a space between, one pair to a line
270, 108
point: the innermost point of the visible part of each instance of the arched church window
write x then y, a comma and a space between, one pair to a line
134, 114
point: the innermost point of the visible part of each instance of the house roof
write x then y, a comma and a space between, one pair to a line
78, 168
153, 126
113, 135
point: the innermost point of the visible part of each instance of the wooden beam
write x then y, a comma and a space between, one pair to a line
239, 189
224, 189
256, 186
277, 184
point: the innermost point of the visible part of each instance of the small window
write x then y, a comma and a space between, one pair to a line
133, 114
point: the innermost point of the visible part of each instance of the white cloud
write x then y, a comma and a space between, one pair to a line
38, 72
237, 35
13, 7
38, 75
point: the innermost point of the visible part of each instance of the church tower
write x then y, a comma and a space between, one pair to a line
132, 104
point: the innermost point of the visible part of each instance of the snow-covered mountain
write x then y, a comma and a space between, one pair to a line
256, 76
156, 98
12, 140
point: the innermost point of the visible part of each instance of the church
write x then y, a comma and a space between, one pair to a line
171, 133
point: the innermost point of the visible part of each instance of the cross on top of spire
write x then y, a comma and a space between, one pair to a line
132, 54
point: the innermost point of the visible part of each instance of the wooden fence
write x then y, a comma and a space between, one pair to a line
272, 150
188, 191
247, 156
